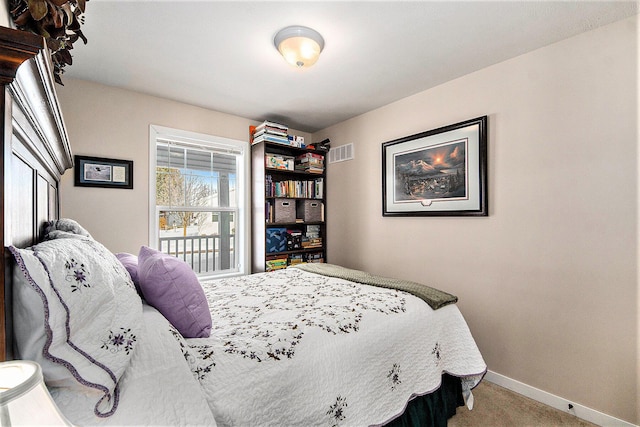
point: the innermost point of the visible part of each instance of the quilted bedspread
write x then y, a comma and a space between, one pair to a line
292, 347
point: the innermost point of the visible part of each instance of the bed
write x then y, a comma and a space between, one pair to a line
137, 339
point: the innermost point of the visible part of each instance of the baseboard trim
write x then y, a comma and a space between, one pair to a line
556, 402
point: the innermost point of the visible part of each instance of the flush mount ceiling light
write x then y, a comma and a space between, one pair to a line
300, 46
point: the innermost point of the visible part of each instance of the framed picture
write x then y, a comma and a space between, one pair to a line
440, 172
101, 172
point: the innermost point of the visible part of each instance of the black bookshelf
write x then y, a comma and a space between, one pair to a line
267, 216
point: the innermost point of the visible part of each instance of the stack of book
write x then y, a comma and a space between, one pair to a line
311, 238
296, 259
312, 243
315, 257
276, 262
271, 132
312, 231
310, 162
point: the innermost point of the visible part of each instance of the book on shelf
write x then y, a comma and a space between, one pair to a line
268, 214
276, 262
271, 131
266, 137
315, 257
319, 188
279, 127
309, 169
263, 132
312, 243
296, 259
310, 189
312, 231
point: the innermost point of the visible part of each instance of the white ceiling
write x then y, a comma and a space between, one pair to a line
220, 55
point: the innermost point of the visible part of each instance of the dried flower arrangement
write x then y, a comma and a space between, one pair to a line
58, 21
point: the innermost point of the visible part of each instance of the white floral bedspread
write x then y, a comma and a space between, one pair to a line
295, 348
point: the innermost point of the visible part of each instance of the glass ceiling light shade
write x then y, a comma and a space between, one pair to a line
300, 46
24, 399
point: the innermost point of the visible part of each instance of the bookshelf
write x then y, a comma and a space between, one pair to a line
288, 205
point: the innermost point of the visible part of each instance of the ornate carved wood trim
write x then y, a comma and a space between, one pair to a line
33, 136
15, 48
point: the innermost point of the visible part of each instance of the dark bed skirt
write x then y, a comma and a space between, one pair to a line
434, 409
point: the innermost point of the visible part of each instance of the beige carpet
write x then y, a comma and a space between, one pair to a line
496, 406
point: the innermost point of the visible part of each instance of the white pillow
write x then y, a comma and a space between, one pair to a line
77, 314
158, 388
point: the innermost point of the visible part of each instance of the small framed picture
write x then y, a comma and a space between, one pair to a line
102, 172
440, 172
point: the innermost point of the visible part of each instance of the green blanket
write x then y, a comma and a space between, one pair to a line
434, 297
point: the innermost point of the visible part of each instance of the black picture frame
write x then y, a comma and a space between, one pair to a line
439, 172
103, 172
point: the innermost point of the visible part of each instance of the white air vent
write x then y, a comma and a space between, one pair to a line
341, 153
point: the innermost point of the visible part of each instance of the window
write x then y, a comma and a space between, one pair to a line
199, 191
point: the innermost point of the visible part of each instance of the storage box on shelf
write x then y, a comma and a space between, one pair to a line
276, 239
275, 161
288, 200
284, 210
309, 210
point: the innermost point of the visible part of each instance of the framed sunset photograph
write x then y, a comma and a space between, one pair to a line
440, 172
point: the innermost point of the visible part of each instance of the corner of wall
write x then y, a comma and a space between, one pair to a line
637, 21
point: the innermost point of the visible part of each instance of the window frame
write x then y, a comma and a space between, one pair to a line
243, 189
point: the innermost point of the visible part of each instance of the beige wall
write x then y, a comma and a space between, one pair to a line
106, 122
5, 17
548, 281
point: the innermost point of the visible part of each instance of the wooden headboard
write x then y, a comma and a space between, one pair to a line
35, 154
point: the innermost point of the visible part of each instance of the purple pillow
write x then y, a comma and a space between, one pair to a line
130, 263
171, 286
